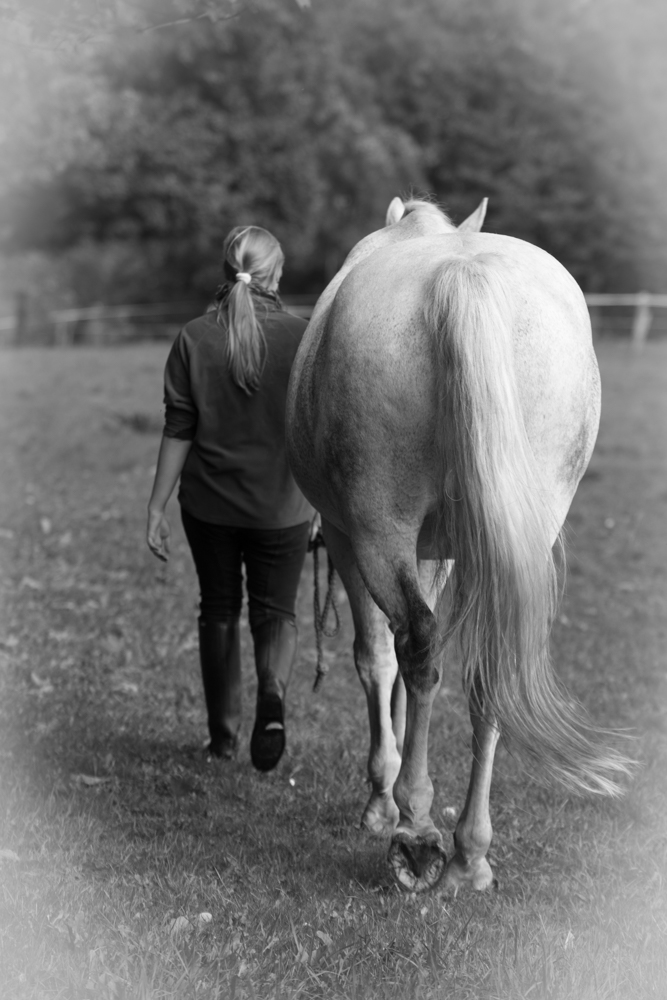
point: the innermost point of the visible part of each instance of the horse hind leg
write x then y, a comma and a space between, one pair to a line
378, 671
376, 665
416, 854
398, 707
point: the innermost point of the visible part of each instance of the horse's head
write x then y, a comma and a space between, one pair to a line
398, 209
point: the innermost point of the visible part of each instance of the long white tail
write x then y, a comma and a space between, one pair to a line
496, 518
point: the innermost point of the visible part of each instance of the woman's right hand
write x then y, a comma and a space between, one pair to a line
158, 533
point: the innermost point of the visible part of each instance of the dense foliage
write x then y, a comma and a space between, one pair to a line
140, 153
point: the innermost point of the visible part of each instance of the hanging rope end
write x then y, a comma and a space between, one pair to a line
319, 677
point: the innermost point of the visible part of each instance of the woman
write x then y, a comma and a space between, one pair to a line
225, 389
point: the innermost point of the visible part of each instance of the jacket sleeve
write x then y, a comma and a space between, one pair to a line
180, 417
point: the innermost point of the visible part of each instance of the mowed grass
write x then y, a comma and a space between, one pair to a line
113, 826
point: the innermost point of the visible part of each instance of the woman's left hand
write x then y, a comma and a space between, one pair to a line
158, 533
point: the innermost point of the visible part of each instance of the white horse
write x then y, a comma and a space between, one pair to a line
443, 407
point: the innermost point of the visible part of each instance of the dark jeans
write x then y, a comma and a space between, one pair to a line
273, 559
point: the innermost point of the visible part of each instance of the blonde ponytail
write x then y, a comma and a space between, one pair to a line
253, 261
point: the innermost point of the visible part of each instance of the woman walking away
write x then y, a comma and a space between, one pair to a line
225, 390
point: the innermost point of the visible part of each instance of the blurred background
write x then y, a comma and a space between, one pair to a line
135, 134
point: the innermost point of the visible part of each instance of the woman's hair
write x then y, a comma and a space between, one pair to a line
257, 256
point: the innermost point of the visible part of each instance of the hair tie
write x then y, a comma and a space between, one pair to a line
244, 277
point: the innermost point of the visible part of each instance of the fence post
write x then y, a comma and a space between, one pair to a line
594, 313
642, 320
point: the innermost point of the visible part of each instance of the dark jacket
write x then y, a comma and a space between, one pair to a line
236, 472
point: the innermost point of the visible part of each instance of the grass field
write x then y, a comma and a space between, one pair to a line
117, 838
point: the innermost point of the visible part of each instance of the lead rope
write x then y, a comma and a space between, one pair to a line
320, 613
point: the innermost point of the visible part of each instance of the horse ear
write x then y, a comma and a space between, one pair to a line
395, 212
474, 222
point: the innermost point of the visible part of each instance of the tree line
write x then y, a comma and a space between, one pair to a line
133, 155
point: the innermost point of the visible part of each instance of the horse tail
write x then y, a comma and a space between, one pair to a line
493, 512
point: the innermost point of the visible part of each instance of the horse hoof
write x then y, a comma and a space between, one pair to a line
478, 876
417, 863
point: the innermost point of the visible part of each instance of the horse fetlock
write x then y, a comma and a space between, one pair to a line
472, 842
383, 776
414, 804
381, 814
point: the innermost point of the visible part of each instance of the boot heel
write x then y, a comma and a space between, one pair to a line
267, 742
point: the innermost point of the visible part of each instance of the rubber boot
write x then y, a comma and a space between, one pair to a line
275, 652
220, 657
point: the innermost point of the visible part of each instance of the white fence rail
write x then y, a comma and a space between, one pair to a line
102, 324
642, 304
619, 314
